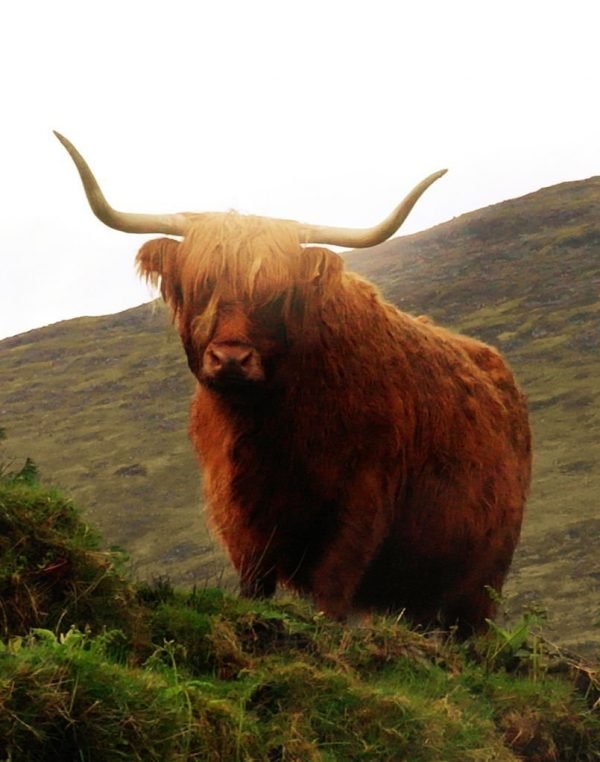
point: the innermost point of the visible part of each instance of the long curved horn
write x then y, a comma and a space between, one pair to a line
179, 223
128, 222
358, 238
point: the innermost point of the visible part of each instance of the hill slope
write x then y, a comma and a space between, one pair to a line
95, 668
101, 403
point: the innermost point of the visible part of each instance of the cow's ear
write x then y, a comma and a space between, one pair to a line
156, 258
325, 268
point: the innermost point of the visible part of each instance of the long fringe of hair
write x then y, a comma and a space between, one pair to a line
236, 258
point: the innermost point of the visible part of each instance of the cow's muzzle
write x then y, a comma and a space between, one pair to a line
231, 364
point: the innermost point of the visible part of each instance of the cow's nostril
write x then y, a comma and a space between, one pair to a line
244, 358
215, 359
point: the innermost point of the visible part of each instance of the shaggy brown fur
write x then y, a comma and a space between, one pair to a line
349, 450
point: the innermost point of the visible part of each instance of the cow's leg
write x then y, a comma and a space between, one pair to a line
255, 583
473, 600
470, 598
258, 574
252, 557
364, 521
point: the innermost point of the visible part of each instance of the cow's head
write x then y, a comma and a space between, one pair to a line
241, 290
239, 287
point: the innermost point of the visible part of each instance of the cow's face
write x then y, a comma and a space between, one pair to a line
242, 348
233, 345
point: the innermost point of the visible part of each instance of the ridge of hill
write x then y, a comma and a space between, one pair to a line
101, 403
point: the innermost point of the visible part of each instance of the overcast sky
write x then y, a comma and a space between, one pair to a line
328, 112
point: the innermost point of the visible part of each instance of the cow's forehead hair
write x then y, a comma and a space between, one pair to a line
249, 256
247, 259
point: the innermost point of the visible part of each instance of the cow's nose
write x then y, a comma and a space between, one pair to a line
230, 357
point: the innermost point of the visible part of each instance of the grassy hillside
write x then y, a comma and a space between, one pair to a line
101, 403
96, 669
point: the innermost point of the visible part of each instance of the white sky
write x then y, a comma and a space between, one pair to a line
327, 111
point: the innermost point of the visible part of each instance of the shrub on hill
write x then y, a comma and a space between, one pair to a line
52, 570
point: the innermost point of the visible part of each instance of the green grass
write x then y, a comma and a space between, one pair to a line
51, 567
98, 668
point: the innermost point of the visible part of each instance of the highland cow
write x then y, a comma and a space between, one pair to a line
350, 451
